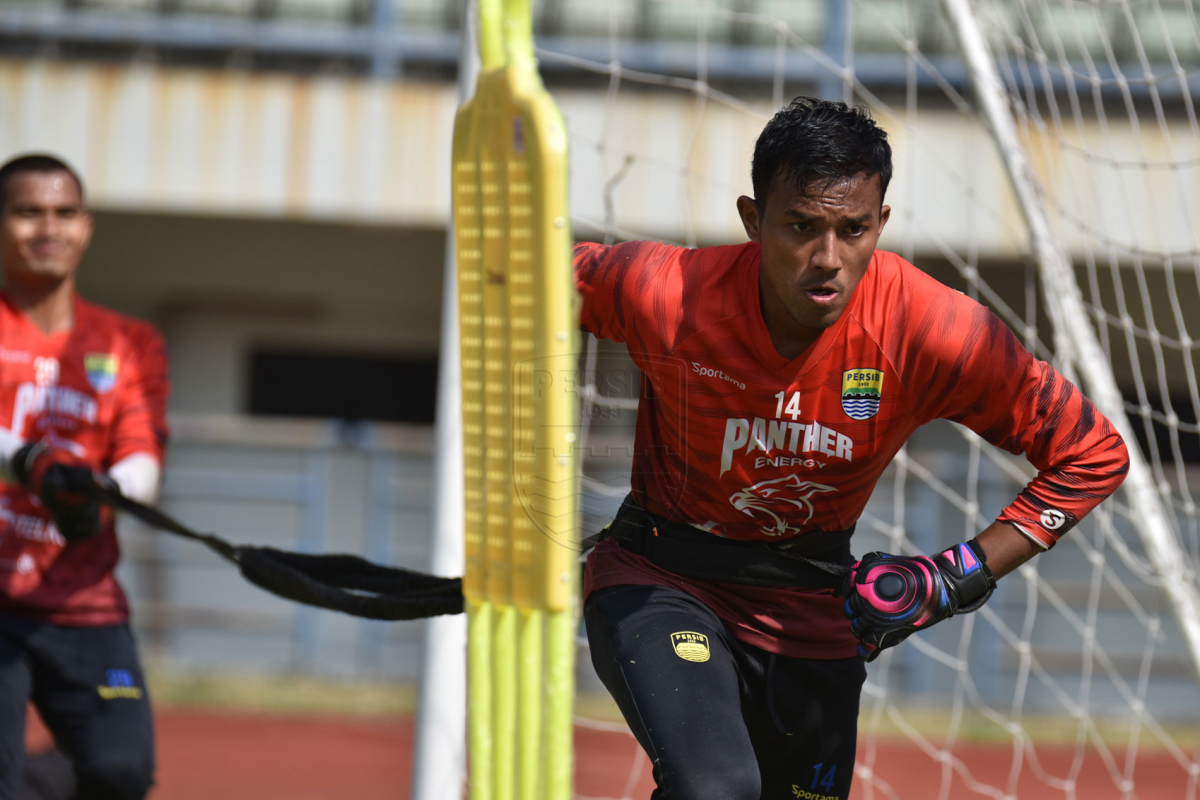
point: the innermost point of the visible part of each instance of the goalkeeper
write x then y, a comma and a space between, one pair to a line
781, 377
82, 389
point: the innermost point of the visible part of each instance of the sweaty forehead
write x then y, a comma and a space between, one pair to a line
54, 188
838, 197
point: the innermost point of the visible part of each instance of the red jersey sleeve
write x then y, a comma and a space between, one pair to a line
965, 365
141, 421
633, 293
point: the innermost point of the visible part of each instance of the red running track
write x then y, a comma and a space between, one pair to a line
205, 755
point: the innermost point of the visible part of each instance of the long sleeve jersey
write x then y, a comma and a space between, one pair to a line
100, 389
735, 439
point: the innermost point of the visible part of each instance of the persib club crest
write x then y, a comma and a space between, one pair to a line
101, 369
691, 646
861, 389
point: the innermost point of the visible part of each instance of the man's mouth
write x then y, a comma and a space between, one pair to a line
821, 295
44, 249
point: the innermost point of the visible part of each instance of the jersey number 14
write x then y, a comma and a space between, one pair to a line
793, 406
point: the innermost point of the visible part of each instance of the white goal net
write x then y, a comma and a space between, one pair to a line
1076, 679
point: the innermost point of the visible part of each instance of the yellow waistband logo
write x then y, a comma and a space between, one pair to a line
691, 646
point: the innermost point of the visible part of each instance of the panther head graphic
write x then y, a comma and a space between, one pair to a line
780, 501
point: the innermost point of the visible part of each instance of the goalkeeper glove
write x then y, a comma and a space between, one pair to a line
66, 486
890, 597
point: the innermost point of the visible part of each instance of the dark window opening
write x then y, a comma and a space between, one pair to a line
343, 386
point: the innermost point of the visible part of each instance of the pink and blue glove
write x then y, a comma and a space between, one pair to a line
888, 598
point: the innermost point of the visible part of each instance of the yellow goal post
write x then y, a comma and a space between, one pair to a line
519, 340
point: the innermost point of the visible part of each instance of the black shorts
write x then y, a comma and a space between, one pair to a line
721, 719
88, 687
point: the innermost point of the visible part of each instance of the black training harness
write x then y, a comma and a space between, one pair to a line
814, 560
353, 585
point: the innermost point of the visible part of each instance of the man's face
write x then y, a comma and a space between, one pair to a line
44, 229
816, 246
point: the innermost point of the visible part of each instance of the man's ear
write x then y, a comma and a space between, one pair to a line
885, 213
748, 211
91, 229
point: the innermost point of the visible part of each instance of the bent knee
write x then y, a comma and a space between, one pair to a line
115, 779
740, 783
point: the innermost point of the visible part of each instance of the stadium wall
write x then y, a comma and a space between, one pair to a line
238, 143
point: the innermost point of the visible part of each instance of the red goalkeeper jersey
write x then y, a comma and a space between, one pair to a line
100, 389
734, 438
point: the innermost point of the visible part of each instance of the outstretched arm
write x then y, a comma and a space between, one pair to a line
967, 366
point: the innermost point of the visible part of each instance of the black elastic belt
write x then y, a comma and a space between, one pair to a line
816, 560
337, 582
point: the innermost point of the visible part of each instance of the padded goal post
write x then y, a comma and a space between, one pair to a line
519, 342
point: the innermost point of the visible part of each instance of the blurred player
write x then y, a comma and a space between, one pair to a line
82, 389
781, 377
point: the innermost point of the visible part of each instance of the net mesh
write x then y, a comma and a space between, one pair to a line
1073, 680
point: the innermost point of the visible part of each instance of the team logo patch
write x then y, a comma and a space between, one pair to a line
861, 390
120, 685
101, 369
691, 646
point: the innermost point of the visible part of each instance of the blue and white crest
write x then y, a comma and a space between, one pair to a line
861, 390
101, 369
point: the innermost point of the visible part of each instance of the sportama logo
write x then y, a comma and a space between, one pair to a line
781, 502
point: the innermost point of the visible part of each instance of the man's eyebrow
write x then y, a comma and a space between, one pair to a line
803, 217
36, 206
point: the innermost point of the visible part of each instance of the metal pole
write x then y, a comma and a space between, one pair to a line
314, 522
1075, 340
832, 86
440, 757
383, 23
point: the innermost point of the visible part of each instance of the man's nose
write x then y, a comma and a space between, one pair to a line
49, 226
827, 255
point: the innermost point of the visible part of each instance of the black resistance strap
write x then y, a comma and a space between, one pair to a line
343, 583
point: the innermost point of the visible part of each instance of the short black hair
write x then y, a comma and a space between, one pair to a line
34, 162
819, 141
